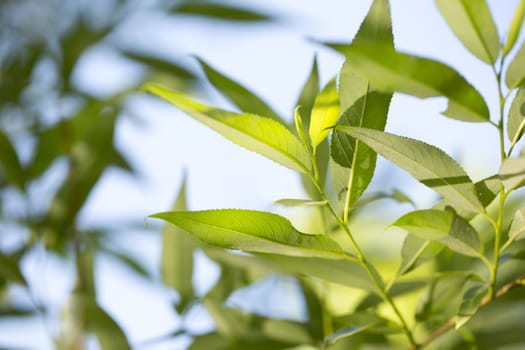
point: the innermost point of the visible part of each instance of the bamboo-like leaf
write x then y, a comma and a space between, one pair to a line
390, 71
261, 135
470, 304
444, 227
239, 95
161, 65
294, 202
252, 231
516, 121
426, 163
10, 163
512, 173
473, 25
219, 11
515, 75
177, 256
325, 113
515, 27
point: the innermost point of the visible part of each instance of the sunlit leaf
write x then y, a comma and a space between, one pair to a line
512, 173
516, 119
472, 23
426, 163
239, 95
444, 227
261, 135
390, 71
325, 113
177, 256
252, 231
219, 11
10, 163
515, 27
516, 71
470, 304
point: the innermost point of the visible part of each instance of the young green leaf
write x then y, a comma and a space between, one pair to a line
426, 163
10, 163
516, 121
390, 71
515, 27
516, 71
177, 256
252, 231
325, 113
512, 173
470, 304
444, 227
261, 135
239, 95
473, 25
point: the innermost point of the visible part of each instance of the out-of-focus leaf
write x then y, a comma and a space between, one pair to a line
308, 94
473, 25
127, 261
515, 27
10, 163
517, 228
516, 121
415, 252
444, 227
512, 173
325, 113
161, 65
515, 75
252, 231
10, 270
261, 135
470, 304
343, 333
240, 96
177, 256
51, 143
292, 202
426, 163
220, 11
390, 71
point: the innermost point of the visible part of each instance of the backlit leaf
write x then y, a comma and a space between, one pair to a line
390, 71
516, 121
515, 75
426, 163
325, 113
472, 23
515, 27
252, 231
444, 227
261, 135
512, 173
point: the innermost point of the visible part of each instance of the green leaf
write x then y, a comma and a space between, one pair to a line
445, 227
343, 333
239, 95
308, 94
252, 231
219, 11
426, 163
416, 251
261, 135
470, 304
377, 25
161, 65
472, 23
369, 111
10, 271
512, 173
517, 228
390, 71
516, 121
515, 75
10, 163
293, 202
177, 256
515, 27
325, 113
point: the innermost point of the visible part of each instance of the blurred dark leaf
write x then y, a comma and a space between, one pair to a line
10, 163
127, 261
220, 11
161, 65
9, 269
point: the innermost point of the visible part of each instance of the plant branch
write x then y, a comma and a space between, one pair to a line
518, 282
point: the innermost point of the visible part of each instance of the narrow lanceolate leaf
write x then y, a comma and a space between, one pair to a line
515, 27
472, 23
517, 228
252, 231
516, 121
512, 173
239, 95
369, 111
10, 164
426, 163
177, 256
219, 11
325, 113
516, 72
293, 202
344, 333
390, 71
258, 134
444, 227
